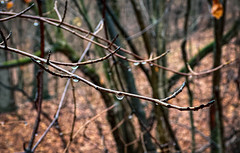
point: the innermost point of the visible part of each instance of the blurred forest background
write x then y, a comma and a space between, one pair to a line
163, 43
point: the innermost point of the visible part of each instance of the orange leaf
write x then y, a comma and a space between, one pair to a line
27, 1
9, 5
215, 1
217, 9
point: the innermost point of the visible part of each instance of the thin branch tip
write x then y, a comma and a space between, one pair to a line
211, 102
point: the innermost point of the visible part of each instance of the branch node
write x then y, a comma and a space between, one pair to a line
48, 58
4, 39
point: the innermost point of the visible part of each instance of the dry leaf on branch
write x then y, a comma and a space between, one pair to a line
217, 9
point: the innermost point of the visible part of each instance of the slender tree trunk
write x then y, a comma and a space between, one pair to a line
164, 129
185, 59
216, 116
205, 51
159, 83
129, 81
7, 102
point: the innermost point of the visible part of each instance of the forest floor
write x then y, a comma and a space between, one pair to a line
16, 128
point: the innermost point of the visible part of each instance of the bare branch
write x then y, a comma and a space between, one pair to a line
9, 35
17, 14
87, 62
93, 118
56, 10
4, 39
51, 72
175, 93
120, 93
211, 70
61, 19
48, 58
64, 13
66, 25
78, 78
74, 118
65, 91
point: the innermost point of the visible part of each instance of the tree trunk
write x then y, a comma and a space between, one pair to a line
127, 76
159, 83
185, 59
216, 117
7, 102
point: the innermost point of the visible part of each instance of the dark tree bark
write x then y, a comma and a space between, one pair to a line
7, 102
216, 111
185, 59
233, 32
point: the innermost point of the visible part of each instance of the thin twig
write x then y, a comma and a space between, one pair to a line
38, 103
143, 143
51, 72
175, 93
73, 76
9, 35
117, 126
4, 39
87, 62
149, 26
55, 23
93, 118
65, 26
64, 13
48, 58
39, 93
64, 92
211, 70
17, 14
57, 12
74, 118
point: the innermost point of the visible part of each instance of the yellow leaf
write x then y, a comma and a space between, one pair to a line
77, 21
217, 9
101, 80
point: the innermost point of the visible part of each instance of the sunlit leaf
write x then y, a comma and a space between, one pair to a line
217, 9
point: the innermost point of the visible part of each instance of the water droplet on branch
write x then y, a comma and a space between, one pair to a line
35, 23
74, 67
190, 77
136, 64
75, 80
119, 96
144, 62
